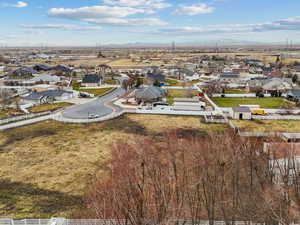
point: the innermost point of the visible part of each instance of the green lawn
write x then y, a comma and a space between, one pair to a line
97, 92
173, 82
110, 82
179, 94
48, 107
268, 103
235, 91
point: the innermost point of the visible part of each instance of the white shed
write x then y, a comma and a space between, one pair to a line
241, 113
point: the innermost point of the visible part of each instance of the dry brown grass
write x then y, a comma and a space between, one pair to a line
264, 126
46, 167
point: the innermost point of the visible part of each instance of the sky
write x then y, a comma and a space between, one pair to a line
104, 22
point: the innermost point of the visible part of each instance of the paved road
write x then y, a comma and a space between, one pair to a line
96, 107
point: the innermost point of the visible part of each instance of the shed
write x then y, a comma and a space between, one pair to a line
241, 113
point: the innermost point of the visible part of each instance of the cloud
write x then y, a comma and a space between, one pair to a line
290, 24
193, 10
19, 4
60, 26
94, 12
152, 4
127, 22
107, 15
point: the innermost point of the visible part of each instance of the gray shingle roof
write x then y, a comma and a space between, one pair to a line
151, 92
91, 78
242, 110
47, 93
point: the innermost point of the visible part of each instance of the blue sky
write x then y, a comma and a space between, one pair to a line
87, 22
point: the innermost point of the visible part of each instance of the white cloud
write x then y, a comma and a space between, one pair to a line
107, 15
94, 12
60, 26
127, 22
193, 10
153, 4
290, 24
19, 4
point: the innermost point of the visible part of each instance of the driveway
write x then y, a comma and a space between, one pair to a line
96, 107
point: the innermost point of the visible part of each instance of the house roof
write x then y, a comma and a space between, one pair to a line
22, 71
92, 78
62, 68
47, 93
151, 92
42, 67
45, 77
156, 77
241, 109
295, 93
231, 75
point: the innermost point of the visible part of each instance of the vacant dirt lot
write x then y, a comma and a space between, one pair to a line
45, 168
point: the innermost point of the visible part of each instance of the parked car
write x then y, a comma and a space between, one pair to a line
160, 104
93, 116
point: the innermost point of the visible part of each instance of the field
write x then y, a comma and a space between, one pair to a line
48, 107
268, 103
235, 91
265, 126
46, 167
97, 92
179, 93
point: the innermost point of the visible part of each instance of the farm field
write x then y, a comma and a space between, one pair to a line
268, 103
34, 157
265, 126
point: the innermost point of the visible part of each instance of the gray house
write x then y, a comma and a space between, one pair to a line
91, 80
294, 95
149, 94
48, 96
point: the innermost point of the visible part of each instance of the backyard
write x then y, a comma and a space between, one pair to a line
180, 93
97, 92
48, 107
46, 167
268, 103
265, 126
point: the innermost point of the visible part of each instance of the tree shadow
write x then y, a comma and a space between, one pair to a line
125, 125
18, 199
15, 135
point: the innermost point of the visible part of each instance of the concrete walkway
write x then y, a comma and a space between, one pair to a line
25, 122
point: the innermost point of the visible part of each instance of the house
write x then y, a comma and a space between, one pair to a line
21, 72
284, 161
294, 95
241, 113
229, 77
91, 80
42, 68
45, 78
61, 70
149, 94
153, 78
277, 84
48, 96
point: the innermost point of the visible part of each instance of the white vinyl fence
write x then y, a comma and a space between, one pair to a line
116, 222
277, 117
23, 117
